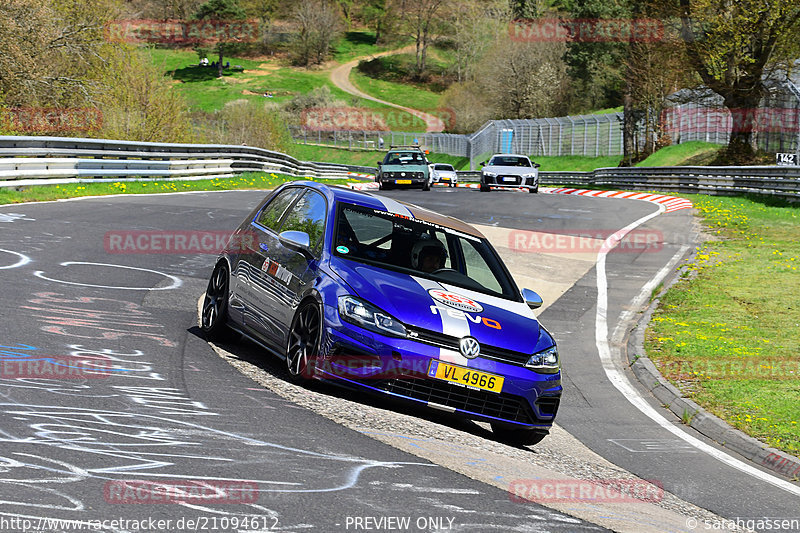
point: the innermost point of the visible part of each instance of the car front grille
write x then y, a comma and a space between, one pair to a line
504, 406
452, 343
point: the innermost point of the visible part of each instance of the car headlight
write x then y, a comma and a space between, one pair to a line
529, 175
490, 174
370, 317
544, 361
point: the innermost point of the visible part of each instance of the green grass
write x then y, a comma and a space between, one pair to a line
726, 333
605, 111
249, 180
690, 153
202, 91
355, 44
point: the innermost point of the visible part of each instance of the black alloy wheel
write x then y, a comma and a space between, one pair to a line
215, 303
305, 337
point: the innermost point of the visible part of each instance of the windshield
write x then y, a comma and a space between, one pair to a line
404, 158
443, 167
420, 248
510, 161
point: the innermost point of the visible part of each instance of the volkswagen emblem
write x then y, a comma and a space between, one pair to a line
469, 347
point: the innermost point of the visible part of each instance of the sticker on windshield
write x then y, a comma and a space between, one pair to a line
455, 300
342, 249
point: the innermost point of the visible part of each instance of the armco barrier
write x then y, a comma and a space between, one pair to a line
50, 160
771, 180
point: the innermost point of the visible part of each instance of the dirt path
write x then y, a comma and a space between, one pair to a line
340, 76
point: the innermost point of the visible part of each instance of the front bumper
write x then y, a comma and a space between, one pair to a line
510, 182
398, 368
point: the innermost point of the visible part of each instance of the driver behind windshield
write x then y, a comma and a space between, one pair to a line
428, 255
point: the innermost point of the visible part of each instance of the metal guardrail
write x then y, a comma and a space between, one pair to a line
769, 180
52, 160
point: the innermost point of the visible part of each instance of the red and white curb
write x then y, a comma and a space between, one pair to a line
671, 203
359, 175
370, 185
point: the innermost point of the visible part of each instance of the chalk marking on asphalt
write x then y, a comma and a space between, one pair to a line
621, 382
23, 260
176, 282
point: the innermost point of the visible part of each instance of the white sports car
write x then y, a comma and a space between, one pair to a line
444, 173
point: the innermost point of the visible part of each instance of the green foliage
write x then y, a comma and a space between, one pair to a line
246, 122
221, 10
137, 102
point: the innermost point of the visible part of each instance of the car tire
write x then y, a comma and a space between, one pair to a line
305, 338
533, 190
518, 437
426, 186
380, 186
214, 316
484, 188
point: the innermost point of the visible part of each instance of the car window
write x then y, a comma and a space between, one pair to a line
477, 267
307, 215
443, 167
510, 161
402, 244
270, 216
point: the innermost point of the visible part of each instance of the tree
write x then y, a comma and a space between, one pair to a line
138, 103
473, 26
50, 48
732, 46
422, 21
221, 11
318, 25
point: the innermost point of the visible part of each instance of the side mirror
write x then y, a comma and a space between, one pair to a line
533, 300
483, 163
536, 165
299, 241
379, 163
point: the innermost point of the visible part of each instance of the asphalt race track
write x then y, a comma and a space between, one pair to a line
168, 409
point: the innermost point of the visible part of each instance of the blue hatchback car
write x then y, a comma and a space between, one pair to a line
389, 298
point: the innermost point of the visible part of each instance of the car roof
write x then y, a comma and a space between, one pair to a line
510, 155
337, 193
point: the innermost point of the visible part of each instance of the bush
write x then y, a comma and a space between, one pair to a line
138, 104
246, 122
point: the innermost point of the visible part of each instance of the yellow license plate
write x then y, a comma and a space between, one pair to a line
465, 376
403, 182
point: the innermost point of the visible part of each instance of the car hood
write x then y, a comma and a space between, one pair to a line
509, 171
420, 302
404, 168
